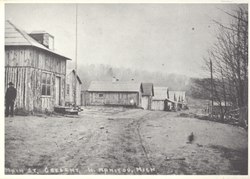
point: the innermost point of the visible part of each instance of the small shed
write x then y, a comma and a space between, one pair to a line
73, 88
179, 97
118, 93
37, 71
147, 94
159, 100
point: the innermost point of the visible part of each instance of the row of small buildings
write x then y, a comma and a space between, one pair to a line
43, 82
133, 94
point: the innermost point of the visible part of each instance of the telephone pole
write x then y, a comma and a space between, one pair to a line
212, 88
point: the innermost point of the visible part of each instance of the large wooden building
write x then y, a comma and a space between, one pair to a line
37, 71
73, 87
115, 93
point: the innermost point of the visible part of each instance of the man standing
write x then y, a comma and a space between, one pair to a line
10, 97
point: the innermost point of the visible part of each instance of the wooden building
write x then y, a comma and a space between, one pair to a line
37, 71
179, 98
85, 98
115, 93
73, 88
159, 100
147, 94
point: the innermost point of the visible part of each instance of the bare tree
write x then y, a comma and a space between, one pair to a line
229, 56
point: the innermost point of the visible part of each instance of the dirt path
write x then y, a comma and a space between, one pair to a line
123, 141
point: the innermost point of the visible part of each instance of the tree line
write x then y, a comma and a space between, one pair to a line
101, 72
227, 65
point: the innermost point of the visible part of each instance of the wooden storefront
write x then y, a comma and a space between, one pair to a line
38, 73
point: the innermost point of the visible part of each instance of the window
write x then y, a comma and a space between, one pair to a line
100, 95
46, 84
67, 88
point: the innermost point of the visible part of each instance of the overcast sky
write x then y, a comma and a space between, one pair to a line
155, 37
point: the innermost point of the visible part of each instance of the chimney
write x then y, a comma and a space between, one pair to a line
43, 38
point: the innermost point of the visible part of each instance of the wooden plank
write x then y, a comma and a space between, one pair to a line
29, 96
5, 78
10, 57
26, 88
7, 54
18, 88
23, 87
11, 74
26, 58
21, 57
31, 58
39, 89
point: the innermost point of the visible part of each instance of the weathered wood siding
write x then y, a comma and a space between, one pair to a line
157, 105
114, 98
85, 97
78, 93
24, 67
146, 102
69, 96
70, 80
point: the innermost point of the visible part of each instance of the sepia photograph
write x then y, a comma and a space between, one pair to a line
126, 89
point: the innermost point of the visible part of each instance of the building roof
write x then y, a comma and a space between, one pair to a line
16, 37
118, 86
147, 89
160, 93
68, 71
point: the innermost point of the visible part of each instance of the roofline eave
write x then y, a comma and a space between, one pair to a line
32, 46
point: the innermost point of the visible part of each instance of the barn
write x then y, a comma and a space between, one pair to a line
73, 88
147, 94
37, 71
159, 100
118, 93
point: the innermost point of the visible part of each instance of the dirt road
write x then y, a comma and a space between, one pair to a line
122, 141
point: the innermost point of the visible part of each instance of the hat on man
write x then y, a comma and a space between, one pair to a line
10, 83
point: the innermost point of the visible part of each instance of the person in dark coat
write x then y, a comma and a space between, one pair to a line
10, 97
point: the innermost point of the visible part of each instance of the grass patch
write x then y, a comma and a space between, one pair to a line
238, 158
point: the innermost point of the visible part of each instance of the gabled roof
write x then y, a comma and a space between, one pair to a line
118, 86
16, 37
68, 71
147, 89
160, 93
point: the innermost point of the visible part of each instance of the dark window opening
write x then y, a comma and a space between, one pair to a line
100, 95
46, 84
67, 88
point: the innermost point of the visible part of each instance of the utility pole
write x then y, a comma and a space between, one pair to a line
76, 57
212, 88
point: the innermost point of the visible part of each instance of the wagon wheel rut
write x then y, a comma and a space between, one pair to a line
131, 151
